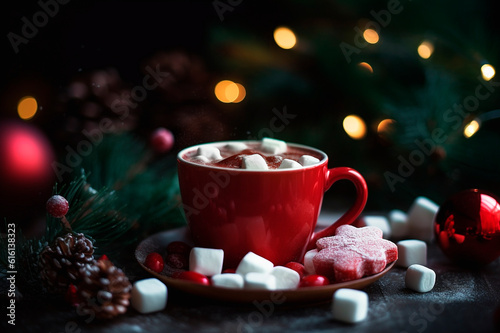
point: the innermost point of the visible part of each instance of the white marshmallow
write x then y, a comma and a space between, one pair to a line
200, 158
307, 160
149, 295
411, 251
420, 278
206, 261
260, 281
210, 152
289, 164
273, 146
286, 278
253, 263
308, 261
236, 146
350, 305
399, 223
421, 219
228, 280
380, 222
254, 162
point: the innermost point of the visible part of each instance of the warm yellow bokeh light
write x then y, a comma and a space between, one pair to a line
425, 50
471, 128
228, 91
487, 71
27, 107
385, 126
241, 93
285, 38
371, 36
366, 66
354, 126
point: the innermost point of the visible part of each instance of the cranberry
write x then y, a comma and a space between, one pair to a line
229, 270
176, 260
192, 276
314, 281
154, 261
178, 247
298, 267
162, 140
57, 206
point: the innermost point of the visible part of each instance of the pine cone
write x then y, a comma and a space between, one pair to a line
60, 263
104, 290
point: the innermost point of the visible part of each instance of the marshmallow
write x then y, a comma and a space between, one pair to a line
200, 159
307, 160
206, 261
260, 281
228, 280
399, 223
420, 278
289, 164
253, 263
350, 305
308, 261
286, 278
411, 251
273, 146
254, 162
236, 147
210, 152
421, 219
380, 222
149, 295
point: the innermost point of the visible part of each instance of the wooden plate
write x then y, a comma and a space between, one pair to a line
158, 243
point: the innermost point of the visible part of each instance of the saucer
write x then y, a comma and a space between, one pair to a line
158, 243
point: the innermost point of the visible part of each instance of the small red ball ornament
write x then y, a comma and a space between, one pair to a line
57, 206
467, 227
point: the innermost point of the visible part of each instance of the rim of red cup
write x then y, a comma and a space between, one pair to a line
222, 143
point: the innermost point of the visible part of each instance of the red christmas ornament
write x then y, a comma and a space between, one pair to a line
154, 261
467, 227
162, 140
57, 206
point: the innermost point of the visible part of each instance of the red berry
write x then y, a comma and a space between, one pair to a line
57, 206
179, 247
298, 267
229, 270
154, 261
176, 260
192, 276
71, 295
162, 140
103, 257
314, 281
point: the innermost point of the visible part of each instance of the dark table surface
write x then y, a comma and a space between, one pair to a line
463, 300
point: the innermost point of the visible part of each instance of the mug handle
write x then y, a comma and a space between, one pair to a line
332, 176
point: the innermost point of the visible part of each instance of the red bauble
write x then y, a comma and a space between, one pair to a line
467, 227
162, 140
26, 174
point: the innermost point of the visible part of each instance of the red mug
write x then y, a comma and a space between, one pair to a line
272, 213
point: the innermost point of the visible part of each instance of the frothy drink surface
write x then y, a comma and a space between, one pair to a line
231, 159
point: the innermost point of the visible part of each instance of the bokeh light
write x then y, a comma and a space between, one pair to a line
487, 71
354, 126
27, 107
425, 50
385, 126
228, 91
285, 38
366, 66
371, 36
471, 128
